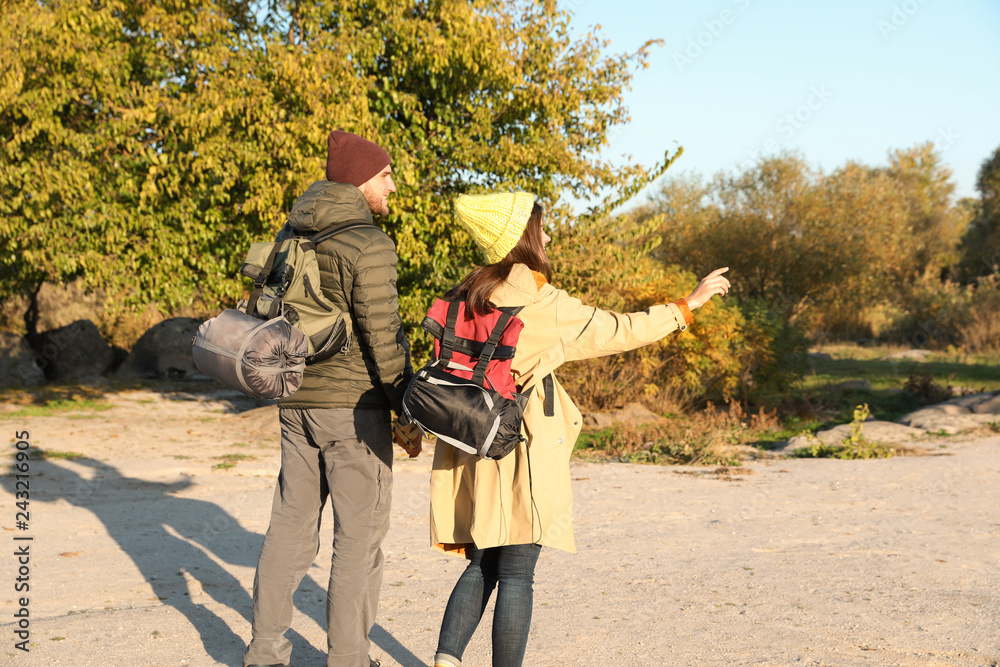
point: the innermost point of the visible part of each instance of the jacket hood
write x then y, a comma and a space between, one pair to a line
326, 204
520, 288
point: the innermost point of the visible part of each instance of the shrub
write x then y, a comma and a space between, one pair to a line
703, 438
921, 385
704, 361
773, 352
937, 314
931, 309
728, 351
979, 329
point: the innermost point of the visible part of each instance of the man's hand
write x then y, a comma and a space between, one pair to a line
408, 436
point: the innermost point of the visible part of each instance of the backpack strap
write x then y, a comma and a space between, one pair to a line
448, 336
265, 272
330, 232
479, 374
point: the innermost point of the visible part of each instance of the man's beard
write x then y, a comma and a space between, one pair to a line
377, 204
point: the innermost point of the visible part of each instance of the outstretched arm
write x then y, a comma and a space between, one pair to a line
589, 332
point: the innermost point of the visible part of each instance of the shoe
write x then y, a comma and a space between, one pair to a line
372, 662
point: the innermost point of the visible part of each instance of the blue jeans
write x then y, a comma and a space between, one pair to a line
513, 568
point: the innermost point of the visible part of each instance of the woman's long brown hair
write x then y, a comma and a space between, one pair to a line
479, 285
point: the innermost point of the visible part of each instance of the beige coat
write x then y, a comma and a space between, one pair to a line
525, 497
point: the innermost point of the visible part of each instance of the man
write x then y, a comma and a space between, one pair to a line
336, 430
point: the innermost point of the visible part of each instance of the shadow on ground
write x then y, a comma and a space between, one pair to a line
175, 541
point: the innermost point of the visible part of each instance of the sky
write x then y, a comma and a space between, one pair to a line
835, 81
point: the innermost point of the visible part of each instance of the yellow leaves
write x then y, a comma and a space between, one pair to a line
180, 123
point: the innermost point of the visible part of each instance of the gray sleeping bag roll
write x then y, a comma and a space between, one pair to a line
262, 358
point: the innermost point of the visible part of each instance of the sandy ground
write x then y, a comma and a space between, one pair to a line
143, 552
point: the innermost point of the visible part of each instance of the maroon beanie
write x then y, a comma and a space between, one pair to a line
351, 159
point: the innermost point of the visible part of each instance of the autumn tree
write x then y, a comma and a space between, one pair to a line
981, 244
761, 222
147, 143
934, 223
810, 245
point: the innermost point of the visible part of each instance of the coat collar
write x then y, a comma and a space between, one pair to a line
326, 204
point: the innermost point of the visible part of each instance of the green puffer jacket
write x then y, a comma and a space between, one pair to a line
358, 273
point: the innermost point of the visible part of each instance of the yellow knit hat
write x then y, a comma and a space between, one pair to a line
495, 221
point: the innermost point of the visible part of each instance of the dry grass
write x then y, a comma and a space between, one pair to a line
605, 383
981, 332
711, 436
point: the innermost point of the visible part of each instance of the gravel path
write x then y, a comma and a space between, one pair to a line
143, 552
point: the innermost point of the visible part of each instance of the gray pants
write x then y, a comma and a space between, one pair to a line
346, 455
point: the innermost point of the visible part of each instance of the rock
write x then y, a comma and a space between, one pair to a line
913, 355
935, 421
164, 352
73, 352
854, 385
956, 415
968, 400
119, 355
988, 406
876, 431
597, 421
793, 443
18, 367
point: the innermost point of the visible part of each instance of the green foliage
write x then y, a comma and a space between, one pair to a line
705, 437
898, 386
146, 144
773, 351
981, 244
934, 225
38, 454
727, 351
665, 445
230, 460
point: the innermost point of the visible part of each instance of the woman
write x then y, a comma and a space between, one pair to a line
499, 514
